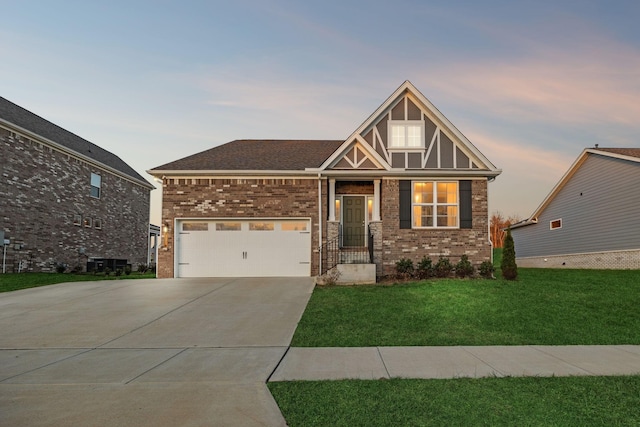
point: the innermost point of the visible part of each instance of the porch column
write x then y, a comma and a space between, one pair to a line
376, 200
332, 199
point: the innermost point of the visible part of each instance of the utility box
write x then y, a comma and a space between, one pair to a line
99, 264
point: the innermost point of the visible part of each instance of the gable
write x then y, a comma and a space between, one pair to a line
407, 132
620, 159
356, 156
438, 149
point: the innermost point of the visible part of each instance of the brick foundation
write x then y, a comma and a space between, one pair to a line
613, 260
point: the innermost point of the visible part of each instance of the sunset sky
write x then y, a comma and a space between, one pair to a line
530, 83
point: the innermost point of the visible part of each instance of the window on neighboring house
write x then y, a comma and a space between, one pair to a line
96, 185
406, 134
87, 222
77, 220
97, 223
435, 204
556, 223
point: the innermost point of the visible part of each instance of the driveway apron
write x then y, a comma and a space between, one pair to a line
188, 352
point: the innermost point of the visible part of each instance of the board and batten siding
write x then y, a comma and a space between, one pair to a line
599, 207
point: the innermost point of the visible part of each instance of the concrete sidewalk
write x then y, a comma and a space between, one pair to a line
332, 363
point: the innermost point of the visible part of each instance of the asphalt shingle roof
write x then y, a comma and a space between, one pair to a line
257, 154
25, 119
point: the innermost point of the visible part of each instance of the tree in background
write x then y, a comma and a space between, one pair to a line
497, 226
508, 264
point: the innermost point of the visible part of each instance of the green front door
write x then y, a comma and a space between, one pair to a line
353, 221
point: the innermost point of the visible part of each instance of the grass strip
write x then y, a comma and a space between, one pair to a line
555, 401
17, 281
545, 307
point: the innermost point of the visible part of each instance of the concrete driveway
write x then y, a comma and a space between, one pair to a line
176, 352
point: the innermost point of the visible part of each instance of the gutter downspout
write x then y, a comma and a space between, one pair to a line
319, 224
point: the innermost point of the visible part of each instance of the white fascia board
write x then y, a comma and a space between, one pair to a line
613, 155
61, 148
572, 170
412, 173
560, 184
448, 126
524, 223
390, 100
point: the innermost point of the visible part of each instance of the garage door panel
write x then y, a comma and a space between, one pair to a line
251, 248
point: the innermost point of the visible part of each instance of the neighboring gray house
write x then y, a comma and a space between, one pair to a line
590, 218
64, 199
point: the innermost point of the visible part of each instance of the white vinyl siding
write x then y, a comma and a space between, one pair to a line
598, 205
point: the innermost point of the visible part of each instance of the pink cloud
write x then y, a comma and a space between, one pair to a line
600, 84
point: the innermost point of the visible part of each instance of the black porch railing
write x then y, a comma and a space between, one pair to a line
334, 253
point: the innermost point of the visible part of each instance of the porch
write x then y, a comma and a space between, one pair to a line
353, 223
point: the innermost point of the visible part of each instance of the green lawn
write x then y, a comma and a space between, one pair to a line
544, 306
552, 307
16, 281
569, 401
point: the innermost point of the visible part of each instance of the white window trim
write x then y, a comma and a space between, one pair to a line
406, 124
551, 227
435, 205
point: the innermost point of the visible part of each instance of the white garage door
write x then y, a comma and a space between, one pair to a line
243, 248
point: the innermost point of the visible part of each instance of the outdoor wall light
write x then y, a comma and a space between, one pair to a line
165, 231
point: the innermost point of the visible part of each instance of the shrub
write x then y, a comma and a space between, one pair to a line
404, 268
152, 268
127, 270
107, 271
61, 267
142, 268
487, 269
508, 264
118, 272
77, 269
443, 267
464, 268
425, 268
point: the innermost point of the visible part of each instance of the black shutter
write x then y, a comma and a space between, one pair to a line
405, 204
465, 205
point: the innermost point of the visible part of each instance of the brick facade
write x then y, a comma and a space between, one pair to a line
238, 198
414, 244
42, 190
289, 198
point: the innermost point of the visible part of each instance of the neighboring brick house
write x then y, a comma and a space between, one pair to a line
64, 199
405, 184
589, 219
